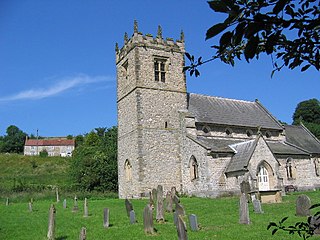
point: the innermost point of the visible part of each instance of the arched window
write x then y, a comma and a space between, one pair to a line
128, 170
228, 131
263, 178
193, 168
290, 168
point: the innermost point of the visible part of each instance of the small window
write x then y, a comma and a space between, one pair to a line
249, 133
228, 131
128, 170
291, 174
125, 69
193, 168
206, 129
165, 124
268, 134
160, 70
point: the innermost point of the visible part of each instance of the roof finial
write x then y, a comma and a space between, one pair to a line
182, 36
135, 26
159, 32
126, 37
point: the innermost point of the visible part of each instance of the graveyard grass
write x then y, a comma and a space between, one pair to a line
218, 219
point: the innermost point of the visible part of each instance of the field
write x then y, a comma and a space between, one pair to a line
218, 219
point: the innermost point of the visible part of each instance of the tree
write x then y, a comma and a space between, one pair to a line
94, 165
308, 113
13, 141
288, 31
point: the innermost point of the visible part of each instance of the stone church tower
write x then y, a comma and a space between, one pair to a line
151, 92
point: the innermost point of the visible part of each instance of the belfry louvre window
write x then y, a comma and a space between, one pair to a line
160, 70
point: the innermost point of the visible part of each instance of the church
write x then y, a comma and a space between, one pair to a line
202, 145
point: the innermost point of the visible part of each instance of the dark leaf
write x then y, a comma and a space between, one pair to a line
279, 6
188, 56
305, 67
215, 30
239, 33
218, 6
283, 220
251, 48
271, 224
197, 73
185, 68
315, 205
225, 39
274, 231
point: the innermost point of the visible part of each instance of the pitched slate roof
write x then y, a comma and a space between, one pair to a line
225, 111
242, 157
285, 149
217, 145
303, 138
50, 142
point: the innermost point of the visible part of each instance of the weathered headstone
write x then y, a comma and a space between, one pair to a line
75, 204
51, 224
148, 219
65, 203
169, 202
132, 217
160, 208
106, 217
179, 209
85, 208
83, 234
193, 220
7, 202
129, 206
303, 205
181, 229
57, 195
30, 206
154, 196
176, 199
244, 210
173, 192
257, 206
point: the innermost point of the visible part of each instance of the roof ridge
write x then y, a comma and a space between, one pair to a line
224, 98
268, 113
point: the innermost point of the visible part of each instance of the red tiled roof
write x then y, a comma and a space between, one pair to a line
50, 142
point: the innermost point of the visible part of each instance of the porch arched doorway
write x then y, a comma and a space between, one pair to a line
264, 174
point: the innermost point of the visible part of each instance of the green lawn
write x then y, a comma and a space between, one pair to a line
218, 219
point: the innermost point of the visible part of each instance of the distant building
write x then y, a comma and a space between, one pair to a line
203, 145
54, 146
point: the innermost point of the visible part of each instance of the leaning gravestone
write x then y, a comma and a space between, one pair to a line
7, 202
169, 202
132, 217
85, 208
51, 224
160, 209
303, 204
181, 229
148, 220
30, 206
193, 220
57, 195
257, 206
106, 217
129, 207
154, 196
244, 210
83, 234
75, 204
176, 199
179, 211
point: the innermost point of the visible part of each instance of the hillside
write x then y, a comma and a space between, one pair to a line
20, 173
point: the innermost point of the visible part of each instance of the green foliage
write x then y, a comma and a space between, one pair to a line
94, 165
13, 141
308, 113
304, 230
287, 30
43, 153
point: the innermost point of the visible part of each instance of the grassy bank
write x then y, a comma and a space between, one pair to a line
218, 219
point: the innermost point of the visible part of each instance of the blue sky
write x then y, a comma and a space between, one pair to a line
57, 62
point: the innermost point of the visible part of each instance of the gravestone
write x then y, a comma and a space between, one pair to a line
257, 206
132, 217
57, 195
173, 192
85, 208
176, 199
193, 220
169, 202
129, 207
30, 206
181, 229
148, 220
179, 209
7, 202
83, 234
75, 204
106, 217
244, 210
154, 196
160, 209
65, 203
303, 204
51, 224
315, 222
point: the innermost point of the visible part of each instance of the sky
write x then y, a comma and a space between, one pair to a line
58, 73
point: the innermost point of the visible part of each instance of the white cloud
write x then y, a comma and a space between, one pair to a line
61, 85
